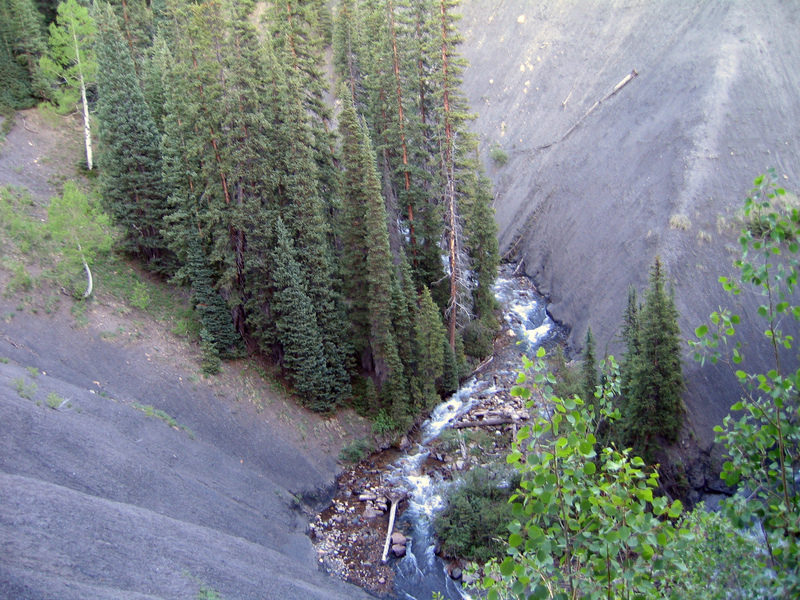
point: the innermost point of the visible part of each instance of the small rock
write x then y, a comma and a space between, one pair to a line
398, 539
460, 464
399, 551
456, 573
382, 580
369, 513
367, 497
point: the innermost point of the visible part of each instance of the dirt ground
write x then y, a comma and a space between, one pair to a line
661, 167
101, 497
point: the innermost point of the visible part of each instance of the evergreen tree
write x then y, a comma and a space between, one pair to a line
432, 349
589, 367
131, 161
22, 43
135, 19
630, 337
297, 331
71, 64
654, 404
212, 309
371, 243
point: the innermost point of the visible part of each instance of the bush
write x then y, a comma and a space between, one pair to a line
355, 451
384, 423
478, 339
473, 526
499, 156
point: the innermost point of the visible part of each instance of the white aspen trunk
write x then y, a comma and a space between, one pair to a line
87, 132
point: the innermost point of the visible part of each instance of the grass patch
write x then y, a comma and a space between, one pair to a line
151, 411
33, 371
206, 593
4, 360
680, 222
25, 390
703, 236
54, 400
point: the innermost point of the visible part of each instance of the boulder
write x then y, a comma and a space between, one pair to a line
398, 539
399, 551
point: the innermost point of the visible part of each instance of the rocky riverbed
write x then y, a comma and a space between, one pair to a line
350, 534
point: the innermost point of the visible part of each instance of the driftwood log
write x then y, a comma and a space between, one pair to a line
389, 530
485, 423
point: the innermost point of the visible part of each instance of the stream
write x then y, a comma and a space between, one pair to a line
420, 572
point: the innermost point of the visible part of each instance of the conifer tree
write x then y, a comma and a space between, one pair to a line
362, 190
588, 367
630, 337
22, 43
297, 331
653, 403
432, 348
212, 309
131, 161
135, 19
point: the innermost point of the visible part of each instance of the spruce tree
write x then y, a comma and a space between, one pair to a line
654, 404
588, 368
297, 331
432, 349
132, 183
212, 309
22, 44
371, 243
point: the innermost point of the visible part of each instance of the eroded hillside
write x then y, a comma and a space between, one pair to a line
661, 167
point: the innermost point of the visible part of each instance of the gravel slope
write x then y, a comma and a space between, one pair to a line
715, 103
100, 501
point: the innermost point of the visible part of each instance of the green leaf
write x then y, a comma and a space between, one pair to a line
647, 551
589, 468
514, 540
507, 567
701, 331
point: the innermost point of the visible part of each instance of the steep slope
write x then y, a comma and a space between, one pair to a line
101, 501
715, 103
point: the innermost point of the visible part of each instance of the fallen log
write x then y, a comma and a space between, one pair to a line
389, 532
484, 423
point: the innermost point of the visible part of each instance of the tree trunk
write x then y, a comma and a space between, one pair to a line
87, 132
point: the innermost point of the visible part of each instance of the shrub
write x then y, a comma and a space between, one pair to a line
763, 441
384, 423
478, 339
586, 521
473, 526
54, 400
355, 451
499, 156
